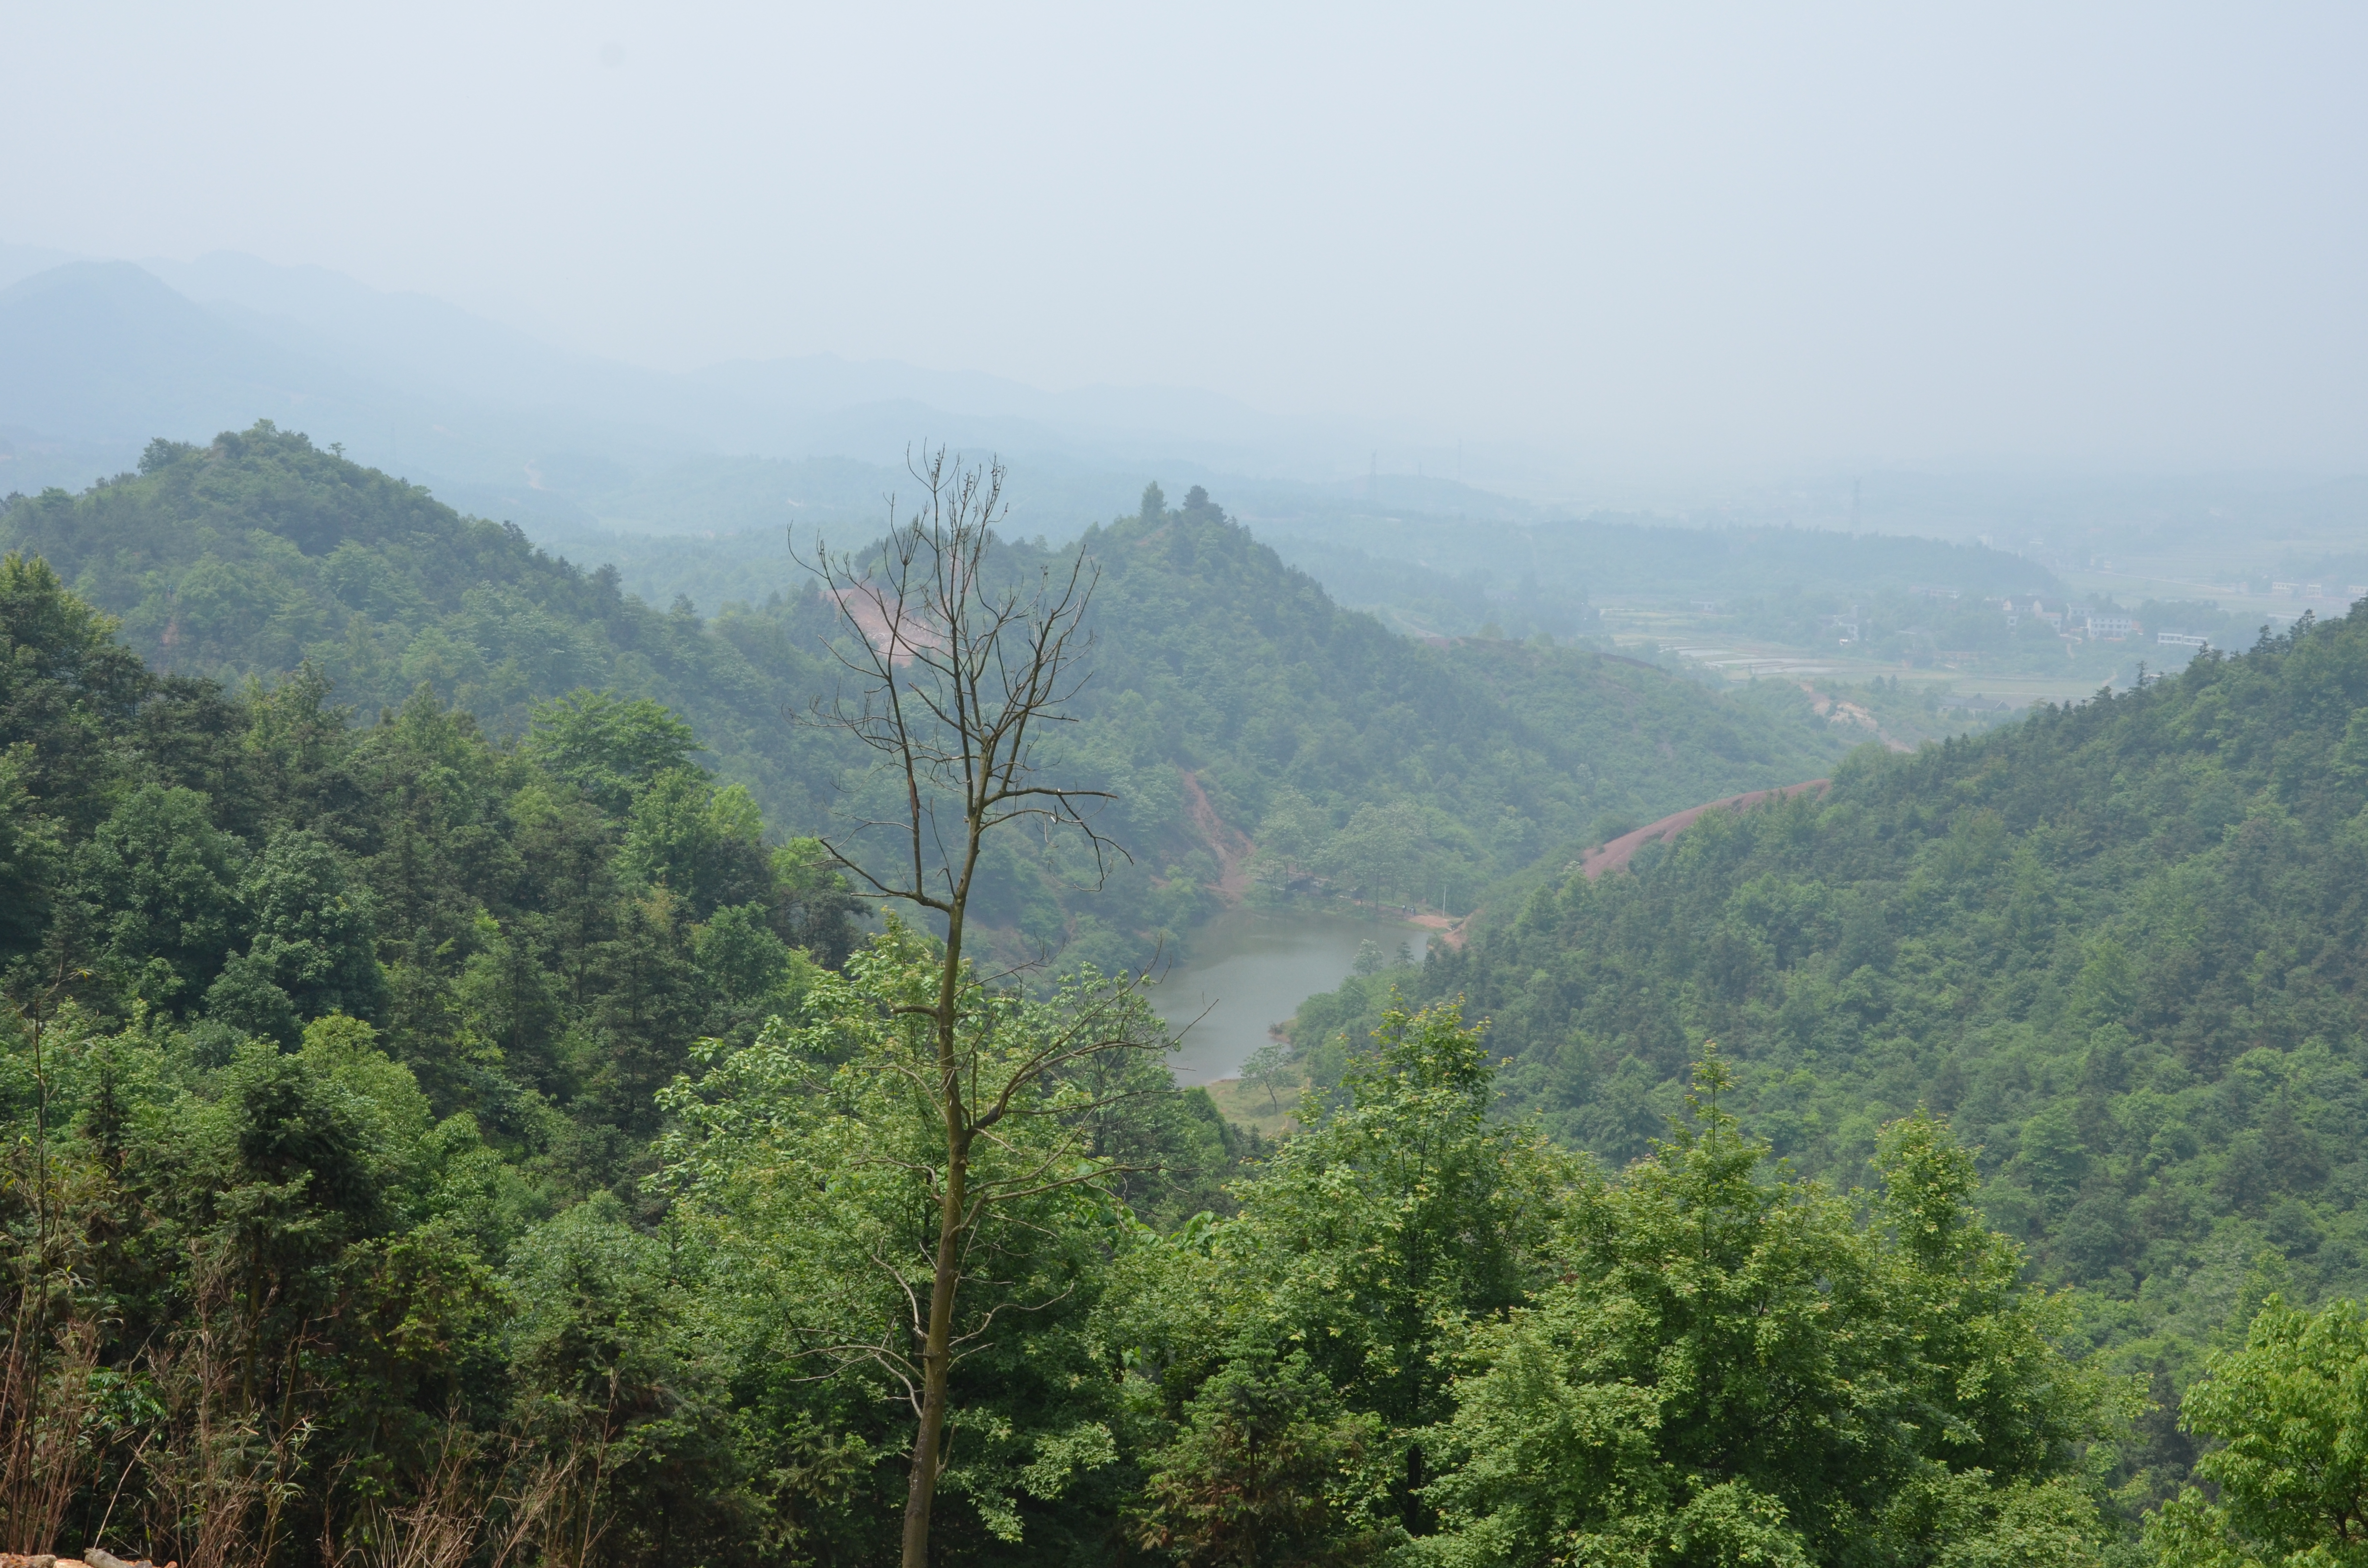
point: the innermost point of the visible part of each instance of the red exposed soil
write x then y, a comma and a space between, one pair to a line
1617, 853
869, 609
1451, 930
1226, 841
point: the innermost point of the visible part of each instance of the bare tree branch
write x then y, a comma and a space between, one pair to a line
952, 676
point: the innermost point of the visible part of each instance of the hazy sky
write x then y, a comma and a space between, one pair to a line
1784, 235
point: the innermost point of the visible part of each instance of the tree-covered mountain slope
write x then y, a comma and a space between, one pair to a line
1219, 674
367, 1191
538, 932
330, 1064
2120, 945
1295, 715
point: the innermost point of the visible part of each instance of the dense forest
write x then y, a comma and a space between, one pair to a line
438, 1136
2117, 945
1221, 675
335, 1066
399, 1173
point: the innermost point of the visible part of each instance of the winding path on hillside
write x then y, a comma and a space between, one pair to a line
1620, 850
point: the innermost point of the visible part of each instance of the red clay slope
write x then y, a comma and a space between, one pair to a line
1610, 857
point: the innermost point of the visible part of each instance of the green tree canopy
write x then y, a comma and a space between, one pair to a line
2288, 1474
609, 746
1732, 1370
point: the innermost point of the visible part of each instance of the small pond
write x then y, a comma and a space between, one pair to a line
1250, 969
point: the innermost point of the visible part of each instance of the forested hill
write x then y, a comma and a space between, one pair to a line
259, 551
1295, 714
1387, 765
2120, 945
368, 1194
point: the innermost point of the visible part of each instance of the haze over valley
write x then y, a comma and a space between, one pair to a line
787, 788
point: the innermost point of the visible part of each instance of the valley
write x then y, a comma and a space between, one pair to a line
314, 775
842, 787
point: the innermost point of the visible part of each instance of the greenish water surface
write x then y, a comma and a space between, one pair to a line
1250, 970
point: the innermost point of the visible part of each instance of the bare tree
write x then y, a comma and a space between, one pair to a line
958, 674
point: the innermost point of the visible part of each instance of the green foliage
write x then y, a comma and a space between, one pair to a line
607, 747
1400, 1211
2117, 944
1428, 1334
260, 863
2288, 1474
169, 880
705, 844
310, 1026
1391, 770
796, 1165
1736, 1372
1257, 1475
66, 685
1364, 1250
315, 934
410, 1130
608, 1361
1400, 772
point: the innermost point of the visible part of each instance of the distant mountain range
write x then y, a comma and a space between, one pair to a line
98, 356
612, 461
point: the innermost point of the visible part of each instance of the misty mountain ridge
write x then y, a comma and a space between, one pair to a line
102, 355
446, 342
96, 358
605, 460
386, 350
1222, 675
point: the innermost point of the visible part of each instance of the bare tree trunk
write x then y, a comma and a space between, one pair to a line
959, 678
945, 1279
936, 1363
